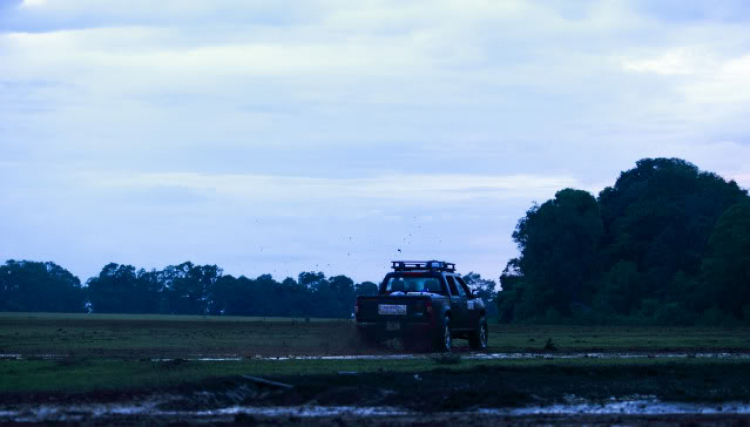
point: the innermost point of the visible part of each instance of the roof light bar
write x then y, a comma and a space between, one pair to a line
423, 266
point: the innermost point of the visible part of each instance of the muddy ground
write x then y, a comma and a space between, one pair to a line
431, 420
483, 394
440, 389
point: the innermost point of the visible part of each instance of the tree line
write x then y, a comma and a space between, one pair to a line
668, 244
186, 289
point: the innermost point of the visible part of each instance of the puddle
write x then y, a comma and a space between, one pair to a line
310, 411
513, 356
643, 406
646, 406
491, 356
70, 413
467, 356
204, 359
14, 356
639, 406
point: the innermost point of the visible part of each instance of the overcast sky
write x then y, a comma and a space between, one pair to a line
287, 136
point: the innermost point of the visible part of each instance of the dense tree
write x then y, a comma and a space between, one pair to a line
177, 289
39, 286
484, 289
187, 287
312, 295
620, 289
366, 289
341, 296
659, 216
231, 296
726, 269
558, 242
662, 245
122, 289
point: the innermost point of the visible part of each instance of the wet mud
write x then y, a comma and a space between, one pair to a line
733, 355
674, 392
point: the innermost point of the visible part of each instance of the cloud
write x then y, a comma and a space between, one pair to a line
183, 118
33, 3
410, 189
694, 11
705, 78
729, 82
675, 62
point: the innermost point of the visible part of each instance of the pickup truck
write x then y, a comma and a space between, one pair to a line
423, 300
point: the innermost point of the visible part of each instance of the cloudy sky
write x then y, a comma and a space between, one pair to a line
336, 135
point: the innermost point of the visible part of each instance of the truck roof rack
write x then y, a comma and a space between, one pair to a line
423, 266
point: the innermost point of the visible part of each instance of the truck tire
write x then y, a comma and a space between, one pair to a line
444, 340
478, 337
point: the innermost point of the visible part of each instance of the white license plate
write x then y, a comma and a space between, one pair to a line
391, 310
392, 326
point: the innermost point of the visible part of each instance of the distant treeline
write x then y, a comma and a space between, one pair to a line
186, 289
667, 244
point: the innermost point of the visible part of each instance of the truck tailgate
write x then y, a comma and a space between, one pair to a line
386, 308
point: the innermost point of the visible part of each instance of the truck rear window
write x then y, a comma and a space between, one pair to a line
413, 284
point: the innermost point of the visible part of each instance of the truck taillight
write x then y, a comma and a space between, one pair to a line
356, 307
428, 307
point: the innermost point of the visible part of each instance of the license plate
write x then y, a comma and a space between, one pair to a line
392, 310
392, 326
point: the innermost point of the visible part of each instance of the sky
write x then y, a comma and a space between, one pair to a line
335, 135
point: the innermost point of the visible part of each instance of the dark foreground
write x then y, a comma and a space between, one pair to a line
416, 420
686, 391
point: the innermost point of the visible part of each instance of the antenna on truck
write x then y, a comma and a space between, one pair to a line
423, 266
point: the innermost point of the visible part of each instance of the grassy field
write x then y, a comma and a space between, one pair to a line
115, 354
136, 337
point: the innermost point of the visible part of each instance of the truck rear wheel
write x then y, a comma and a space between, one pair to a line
478, 337
444, 338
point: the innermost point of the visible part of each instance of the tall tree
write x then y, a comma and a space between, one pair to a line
366, 289
122, 289
484, 289
558, 242
726, 269
654, 249
659, 216
188, 287
342, 295
39, 286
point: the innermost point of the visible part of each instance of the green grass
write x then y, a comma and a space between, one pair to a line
609, 338
160, 317
138, 336
130, 336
